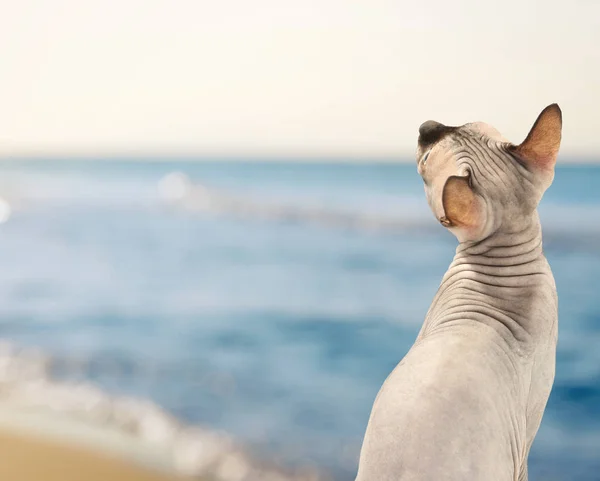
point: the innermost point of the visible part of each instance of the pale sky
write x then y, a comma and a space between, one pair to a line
276, 77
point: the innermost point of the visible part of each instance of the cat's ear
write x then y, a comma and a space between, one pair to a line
462, 207
540, 149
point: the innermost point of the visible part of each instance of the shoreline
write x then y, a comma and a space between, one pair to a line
56, 424
27, 457
55, 431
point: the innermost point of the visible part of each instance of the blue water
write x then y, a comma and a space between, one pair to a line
278, 331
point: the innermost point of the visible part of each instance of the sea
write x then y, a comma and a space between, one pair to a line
269, 300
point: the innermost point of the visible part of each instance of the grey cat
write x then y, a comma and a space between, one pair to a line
466, 401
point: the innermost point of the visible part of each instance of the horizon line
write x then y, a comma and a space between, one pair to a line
249, 158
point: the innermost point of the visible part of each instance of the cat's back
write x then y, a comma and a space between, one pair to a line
428, 422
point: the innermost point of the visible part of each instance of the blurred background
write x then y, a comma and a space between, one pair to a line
212, 223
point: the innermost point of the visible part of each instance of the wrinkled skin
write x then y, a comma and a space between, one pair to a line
468, 398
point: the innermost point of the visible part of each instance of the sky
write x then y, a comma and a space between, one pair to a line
278, 78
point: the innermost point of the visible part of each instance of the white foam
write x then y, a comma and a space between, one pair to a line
5, 211
174, 186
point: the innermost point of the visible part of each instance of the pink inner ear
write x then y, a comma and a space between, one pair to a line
460, 203
540, 148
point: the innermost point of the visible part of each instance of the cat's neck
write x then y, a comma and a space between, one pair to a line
495, 282
512, 246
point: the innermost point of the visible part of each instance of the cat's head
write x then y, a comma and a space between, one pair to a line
478, 183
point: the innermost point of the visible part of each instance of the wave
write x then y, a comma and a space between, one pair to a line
565, 227
26, 382
570, 226
176, 189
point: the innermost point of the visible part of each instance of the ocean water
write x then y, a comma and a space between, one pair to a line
272, 299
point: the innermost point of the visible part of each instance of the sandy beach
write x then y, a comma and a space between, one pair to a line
26, 457
41, 444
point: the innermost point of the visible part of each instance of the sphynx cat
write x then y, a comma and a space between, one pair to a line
466, 401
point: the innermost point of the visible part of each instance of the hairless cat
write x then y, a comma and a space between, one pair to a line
466, 401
